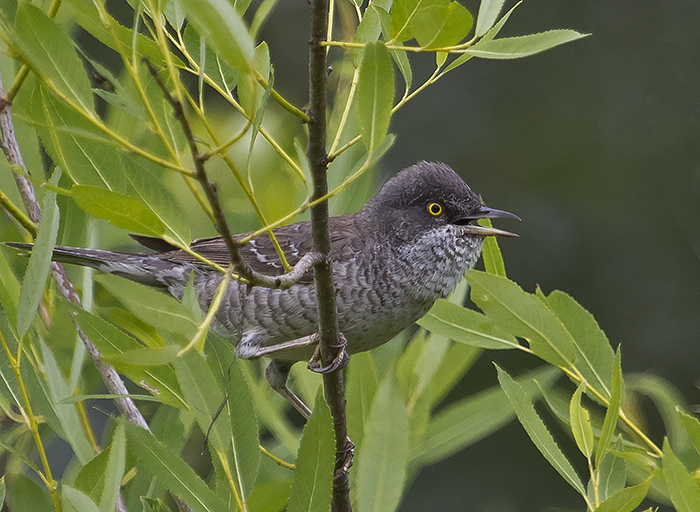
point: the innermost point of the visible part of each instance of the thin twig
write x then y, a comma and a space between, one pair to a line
333, 382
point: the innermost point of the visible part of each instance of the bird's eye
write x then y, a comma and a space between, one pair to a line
435, 209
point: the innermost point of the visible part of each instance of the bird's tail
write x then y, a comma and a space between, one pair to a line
142, 268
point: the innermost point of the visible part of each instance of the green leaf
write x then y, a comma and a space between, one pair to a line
626, 500
26, 495
595, 355
172, 471
153, 307
683, 488
612, 474
224, 30
270, 496
375, 91
523, 315
39, 260
245, 441
49, 51
581, 423
361, 388
313, 477
488, 12
455, 364
111, 341
120, 210
383, 456
402, 14
72, 500
522, 46
2, 489
463, 325
491, 253
692, 426
67, 414
144, 356
613, 412
438, 26
469, 420
536, 429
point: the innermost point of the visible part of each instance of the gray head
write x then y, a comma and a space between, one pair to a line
427, 196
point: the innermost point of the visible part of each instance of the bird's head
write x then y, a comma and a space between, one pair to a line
429, 196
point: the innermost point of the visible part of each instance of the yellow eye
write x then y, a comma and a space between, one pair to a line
435, 209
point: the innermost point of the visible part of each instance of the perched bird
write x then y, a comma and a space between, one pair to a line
407, 247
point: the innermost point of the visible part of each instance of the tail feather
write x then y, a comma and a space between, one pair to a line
151, 270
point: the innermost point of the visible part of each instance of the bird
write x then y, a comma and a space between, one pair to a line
411, 244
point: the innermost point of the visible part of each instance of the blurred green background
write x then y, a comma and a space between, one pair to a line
596, 145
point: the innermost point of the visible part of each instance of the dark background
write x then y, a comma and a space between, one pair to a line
595, 144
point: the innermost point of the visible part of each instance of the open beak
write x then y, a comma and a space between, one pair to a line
487, 213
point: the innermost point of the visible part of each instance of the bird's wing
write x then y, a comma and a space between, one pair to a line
295, 241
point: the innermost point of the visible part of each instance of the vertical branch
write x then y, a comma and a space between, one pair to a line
334, 383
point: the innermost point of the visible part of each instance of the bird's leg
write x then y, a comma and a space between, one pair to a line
277, 373
339, 361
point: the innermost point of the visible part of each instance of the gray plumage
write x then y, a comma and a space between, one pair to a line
391, 261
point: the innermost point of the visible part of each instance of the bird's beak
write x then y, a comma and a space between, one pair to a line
487, 213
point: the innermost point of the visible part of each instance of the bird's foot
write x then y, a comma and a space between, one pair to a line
339, 361
345, 459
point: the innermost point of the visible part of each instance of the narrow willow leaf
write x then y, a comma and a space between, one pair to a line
245, 441
522, 46
361, 388
67, 413
26, 495
692, 426
114, 470
313, 477
2, 489
205, 398
73, 500
683, 488
224, 30
375, 91
49, 51
469, 420
491, 253
613, 412
595, 355
581, 423
463, 325
270, 496
626, 500
612, 475
153, 307
172, 471
402, 15
488, 12
438, 26
383, 458
144, 356
522, 314
111, 341
39, 260
538, 432
120, 210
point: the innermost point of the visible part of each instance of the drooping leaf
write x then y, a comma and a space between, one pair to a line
538, 432
49, 51
522, 46
39, 261
375, 94
172, 471
313, 477
466, 326
522, 314
683, 488
120, 210
465, 422
383, 457
613, 412
692, 427
224, 30
581, 423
